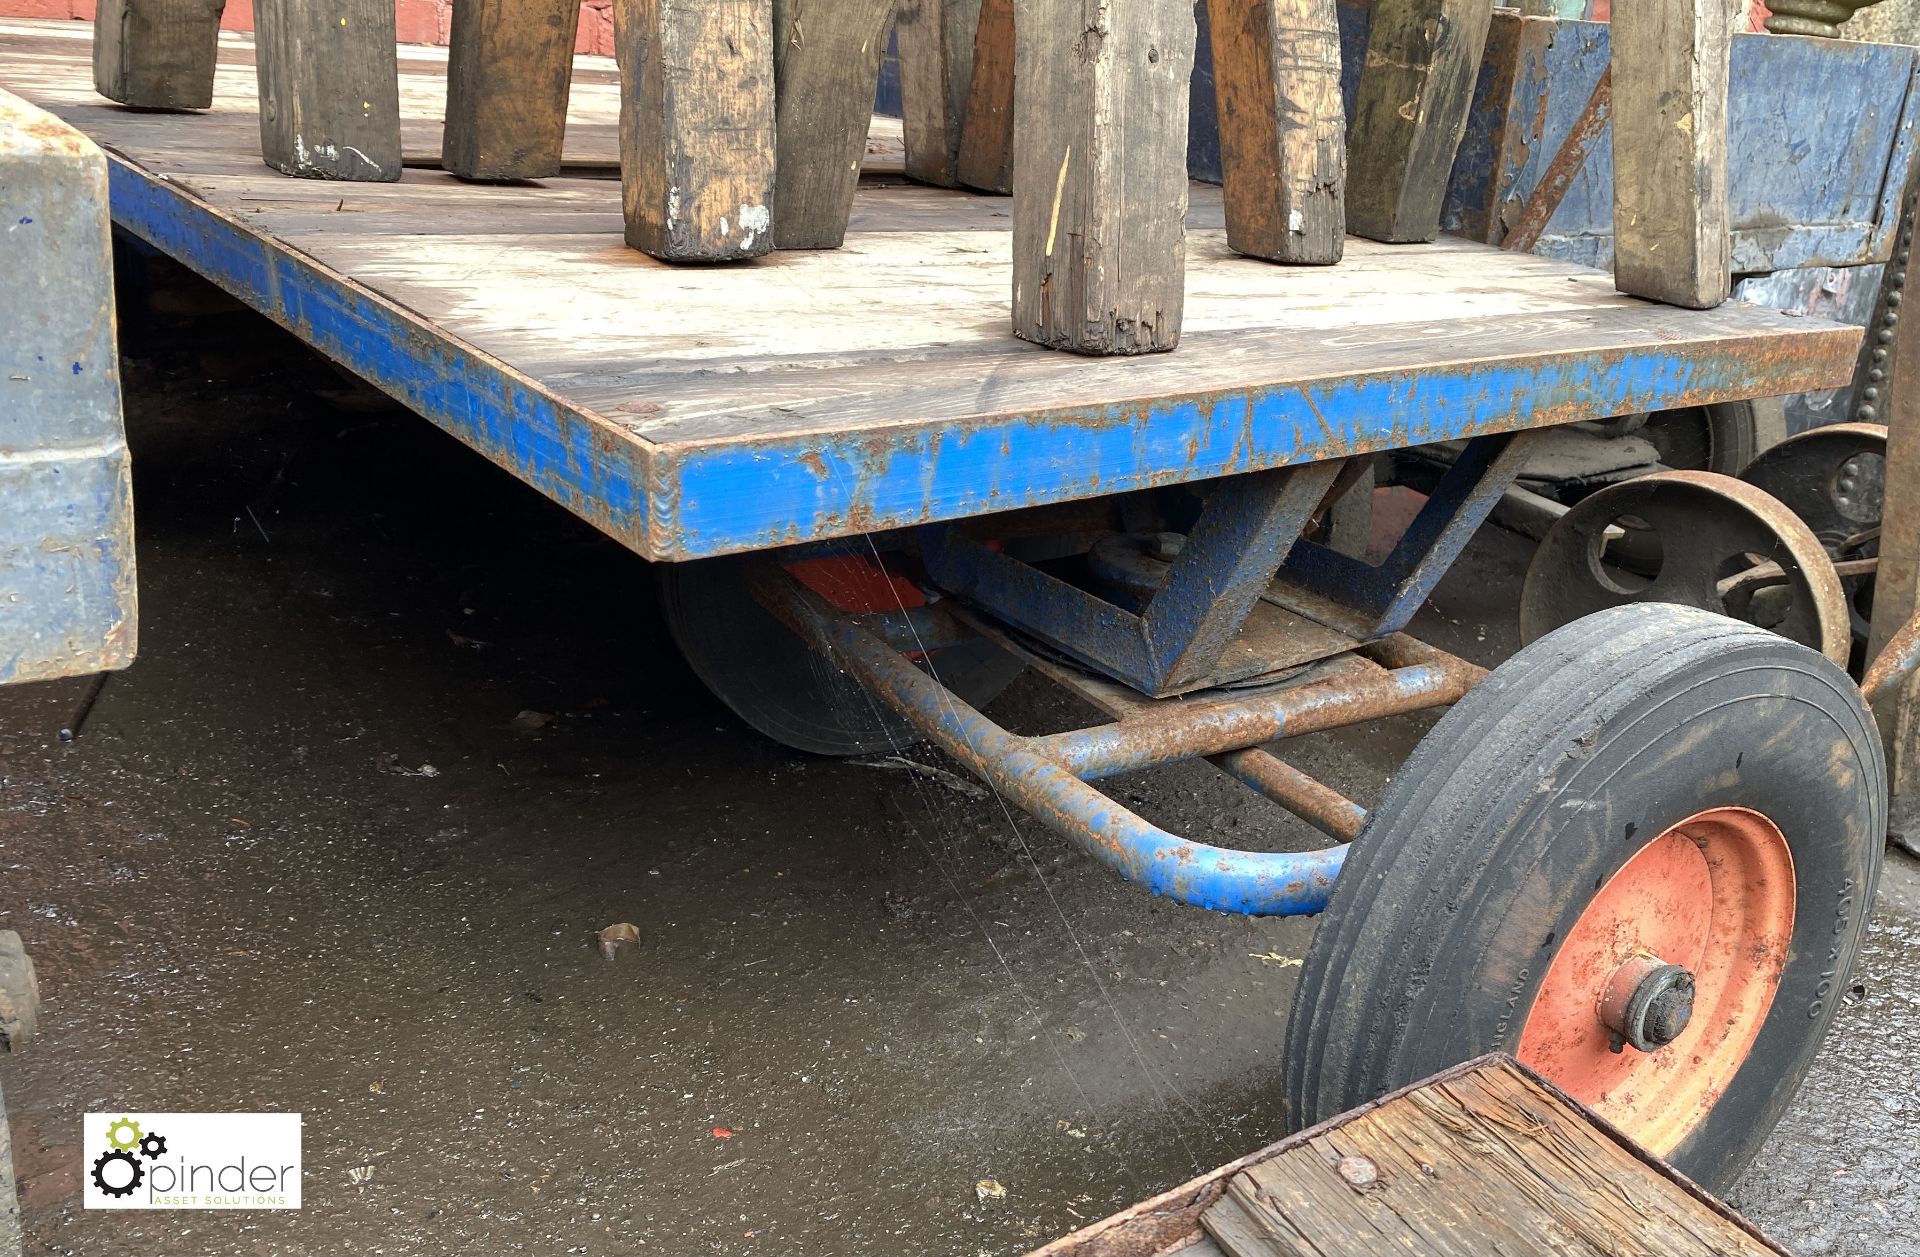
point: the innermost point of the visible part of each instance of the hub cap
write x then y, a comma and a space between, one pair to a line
1657, 994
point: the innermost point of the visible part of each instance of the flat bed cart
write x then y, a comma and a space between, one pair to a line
1639, 855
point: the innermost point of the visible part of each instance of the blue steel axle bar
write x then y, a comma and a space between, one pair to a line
1246, 882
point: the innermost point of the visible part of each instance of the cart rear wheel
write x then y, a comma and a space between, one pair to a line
785, 690
1652, 829
1723, 437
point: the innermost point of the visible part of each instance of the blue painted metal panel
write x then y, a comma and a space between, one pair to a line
67, 598
1820, 142
886, 97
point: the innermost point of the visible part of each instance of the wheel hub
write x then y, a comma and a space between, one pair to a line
1647, 1004
1699, 920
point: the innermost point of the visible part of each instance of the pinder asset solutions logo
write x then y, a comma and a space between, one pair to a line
191, 1161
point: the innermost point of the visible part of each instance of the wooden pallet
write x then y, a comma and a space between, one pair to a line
1486, 1158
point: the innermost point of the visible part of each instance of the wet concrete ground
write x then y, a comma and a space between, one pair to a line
403, 738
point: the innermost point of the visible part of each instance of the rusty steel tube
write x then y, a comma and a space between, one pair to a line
1314, 802
1167, 734
1246, 882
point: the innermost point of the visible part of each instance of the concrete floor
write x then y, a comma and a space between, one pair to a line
403, 738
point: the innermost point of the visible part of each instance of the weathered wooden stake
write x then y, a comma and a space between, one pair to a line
1672, 235
936, 68
1100, 173
1415, 87
156, 54
986, 134
1283, 143
329, 88
697, 127
509, 65
826, 57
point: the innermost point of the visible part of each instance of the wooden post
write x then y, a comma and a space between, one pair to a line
156, 54
1415, 87
1672, 234
1100, 173
936, 70
509, 65
1283, 144
329, 89
986, 135
826, 58
697, 127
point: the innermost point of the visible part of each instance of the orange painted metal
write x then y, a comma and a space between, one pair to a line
1714, 894
856, 583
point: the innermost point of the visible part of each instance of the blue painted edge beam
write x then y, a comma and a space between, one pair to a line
757, 494
579, 460
674, 500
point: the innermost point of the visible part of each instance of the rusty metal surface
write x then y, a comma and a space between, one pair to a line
1313, 801
1834, 478
1184, 729
67, 598
1193, 873
1594, 123
1892, 690
1684, 537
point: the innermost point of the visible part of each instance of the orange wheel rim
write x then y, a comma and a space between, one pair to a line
1708, 904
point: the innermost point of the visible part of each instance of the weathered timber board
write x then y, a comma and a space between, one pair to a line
808, 395
1483, 1158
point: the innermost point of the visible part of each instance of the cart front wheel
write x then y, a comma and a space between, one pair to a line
1640, 857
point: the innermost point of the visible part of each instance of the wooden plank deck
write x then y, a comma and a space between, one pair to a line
696, 411
1485, 1158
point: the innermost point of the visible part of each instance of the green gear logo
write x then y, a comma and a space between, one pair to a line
117, 1171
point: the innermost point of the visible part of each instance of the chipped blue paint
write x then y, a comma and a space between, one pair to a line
507, 418
751, 496
1820, 140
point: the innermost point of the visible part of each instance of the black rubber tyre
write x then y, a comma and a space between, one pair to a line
781, 687
1543, 782
1722, 437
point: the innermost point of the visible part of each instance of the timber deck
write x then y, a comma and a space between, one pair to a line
691, 411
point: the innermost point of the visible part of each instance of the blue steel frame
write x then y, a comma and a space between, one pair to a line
1250, 529
676, 501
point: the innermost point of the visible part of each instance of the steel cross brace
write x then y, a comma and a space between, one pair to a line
1370, 602
1249, 526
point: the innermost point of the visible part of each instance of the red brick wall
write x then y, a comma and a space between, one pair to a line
419, 21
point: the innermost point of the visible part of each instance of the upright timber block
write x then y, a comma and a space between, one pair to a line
329, 88
1672, 235
1100, 173
986, 133
1415, 88
826, 58
509, 66
1283, 143
935, 38
156, 54
697, 127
